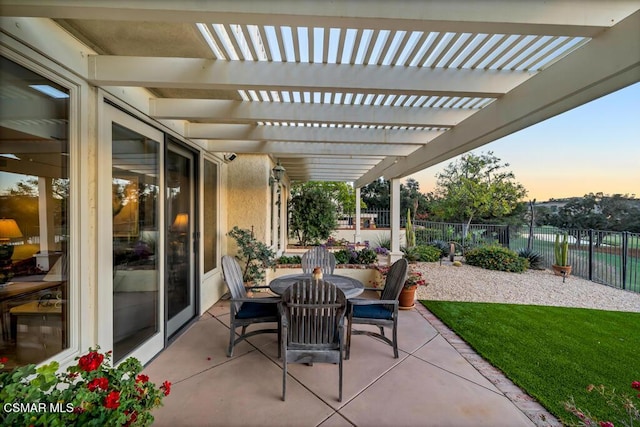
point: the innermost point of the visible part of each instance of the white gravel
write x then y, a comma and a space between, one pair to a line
535, 287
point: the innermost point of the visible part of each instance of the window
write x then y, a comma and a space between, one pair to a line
34, 216
210, 234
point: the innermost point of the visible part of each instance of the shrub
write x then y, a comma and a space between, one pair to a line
384, 241
411, 254
442, 246
256, 255
496, 258
367, 256
352, 256
294, 259
534, 258
342, 256
428, 253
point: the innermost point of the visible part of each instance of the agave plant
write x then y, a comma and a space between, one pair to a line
535, 258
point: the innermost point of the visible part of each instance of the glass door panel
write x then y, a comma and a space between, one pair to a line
136, 206
180, 283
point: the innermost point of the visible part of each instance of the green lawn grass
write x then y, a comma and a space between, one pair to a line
552, 353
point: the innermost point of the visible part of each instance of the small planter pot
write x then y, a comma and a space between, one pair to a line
561, 270
407, 298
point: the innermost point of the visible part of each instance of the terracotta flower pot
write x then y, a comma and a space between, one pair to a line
407, 298
561, 270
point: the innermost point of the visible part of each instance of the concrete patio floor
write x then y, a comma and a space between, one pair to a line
437, 381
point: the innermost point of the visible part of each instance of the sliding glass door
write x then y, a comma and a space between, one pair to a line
135, 295
180, 214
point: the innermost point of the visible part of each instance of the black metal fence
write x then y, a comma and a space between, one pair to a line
608, 257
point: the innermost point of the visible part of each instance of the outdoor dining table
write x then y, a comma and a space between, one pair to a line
350, 286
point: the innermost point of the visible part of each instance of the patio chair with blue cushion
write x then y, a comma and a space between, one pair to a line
312, 326
247, 311
318, 256
382, 312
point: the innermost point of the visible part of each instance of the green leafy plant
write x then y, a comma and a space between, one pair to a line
442, 246
257, 256
313, 216
427, 253
367, 256
411, 254
496, 258
561, 250
89, 393
293, 259
534, 258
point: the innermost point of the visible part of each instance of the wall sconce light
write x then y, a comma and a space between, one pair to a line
277, 173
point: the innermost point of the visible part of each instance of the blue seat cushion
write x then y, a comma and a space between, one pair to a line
250, 310
372, 312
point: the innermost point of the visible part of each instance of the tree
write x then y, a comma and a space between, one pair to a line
341, 194
477, 187
377, 195
313, 215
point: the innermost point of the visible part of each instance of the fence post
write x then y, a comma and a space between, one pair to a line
508, 240
590, 234
625, 250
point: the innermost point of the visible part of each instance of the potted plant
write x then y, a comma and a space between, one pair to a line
406, 300
561, 266
255, 255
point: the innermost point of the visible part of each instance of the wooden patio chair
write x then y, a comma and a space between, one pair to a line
382, 312
312, 323
318, 257
247, 311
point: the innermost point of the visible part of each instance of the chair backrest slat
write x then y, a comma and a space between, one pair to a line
314, 309
233, 277
318, 256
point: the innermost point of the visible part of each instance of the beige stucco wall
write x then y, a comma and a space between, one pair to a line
249, 197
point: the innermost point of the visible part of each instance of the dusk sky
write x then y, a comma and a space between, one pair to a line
592, 148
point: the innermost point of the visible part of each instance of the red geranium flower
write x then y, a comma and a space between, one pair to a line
112, 401
166, 386
96, 383
606, 424
91, 361
132, 418
4, 360
636, 385
142, 378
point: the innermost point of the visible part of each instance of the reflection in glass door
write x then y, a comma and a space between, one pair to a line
180, 270
135, 178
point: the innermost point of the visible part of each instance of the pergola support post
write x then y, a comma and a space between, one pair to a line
395, 253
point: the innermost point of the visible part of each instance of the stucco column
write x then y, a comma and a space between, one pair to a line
395, 254
356, 236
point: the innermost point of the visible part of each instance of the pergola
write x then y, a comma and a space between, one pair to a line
354, 90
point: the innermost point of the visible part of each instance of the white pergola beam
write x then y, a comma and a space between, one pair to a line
308, 134
570, 82
198, 73
285, 148
219, 110
535, 17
